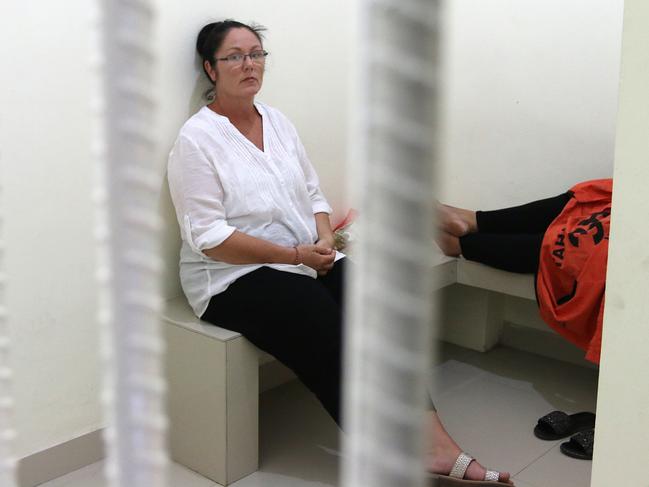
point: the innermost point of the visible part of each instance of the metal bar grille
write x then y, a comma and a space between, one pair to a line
390, 320
129, 262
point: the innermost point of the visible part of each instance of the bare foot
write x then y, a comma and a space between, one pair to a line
448, 243
441, 461
456, 221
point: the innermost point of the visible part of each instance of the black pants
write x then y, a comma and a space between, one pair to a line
296, 319
510, 239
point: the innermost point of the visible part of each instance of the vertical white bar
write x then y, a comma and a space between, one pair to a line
7, 433
129, 262
390, 319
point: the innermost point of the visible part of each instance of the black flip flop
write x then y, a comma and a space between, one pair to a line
557, 425
580, 445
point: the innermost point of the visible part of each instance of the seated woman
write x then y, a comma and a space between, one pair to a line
257, 251
563, 240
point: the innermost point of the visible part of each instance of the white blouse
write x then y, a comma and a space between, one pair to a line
221, 182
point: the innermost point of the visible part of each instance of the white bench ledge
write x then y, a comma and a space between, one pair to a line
178, 312
444, 271
451, 270
485, 277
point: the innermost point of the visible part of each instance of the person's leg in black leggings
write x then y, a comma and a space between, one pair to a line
509, 252
510, 239
531, 218
294, 318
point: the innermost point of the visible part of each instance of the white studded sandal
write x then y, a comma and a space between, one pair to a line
456, 477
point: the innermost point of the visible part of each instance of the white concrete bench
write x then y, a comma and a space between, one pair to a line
450, 270
213, 373
213, 395
473, 316
473, 313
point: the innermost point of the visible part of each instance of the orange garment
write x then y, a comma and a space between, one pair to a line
572, 267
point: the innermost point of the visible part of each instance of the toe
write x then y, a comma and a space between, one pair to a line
477, 472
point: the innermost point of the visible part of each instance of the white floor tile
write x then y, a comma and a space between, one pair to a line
93, 476
566, 386
520, 483
299, 443
89, 476
443, 352
556, 469
452, 375
493, 415
180, 476
493, 422
488, 402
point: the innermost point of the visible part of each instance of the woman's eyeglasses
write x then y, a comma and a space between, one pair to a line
257, 57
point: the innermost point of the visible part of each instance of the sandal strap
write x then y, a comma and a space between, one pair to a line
461, 464
492, 476
585, 440
557, 421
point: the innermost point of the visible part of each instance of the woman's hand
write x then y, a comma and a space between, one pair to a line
326, 243
319, 257
326, 239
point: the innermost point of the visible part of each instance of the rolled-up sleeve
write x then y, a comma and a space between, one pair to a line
197, 194
318, 200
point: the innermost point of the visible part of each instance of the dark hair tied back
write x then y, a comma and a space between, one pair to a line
211, 37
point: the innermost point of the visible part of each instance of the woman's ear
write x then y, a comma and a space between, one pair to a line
210, 71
